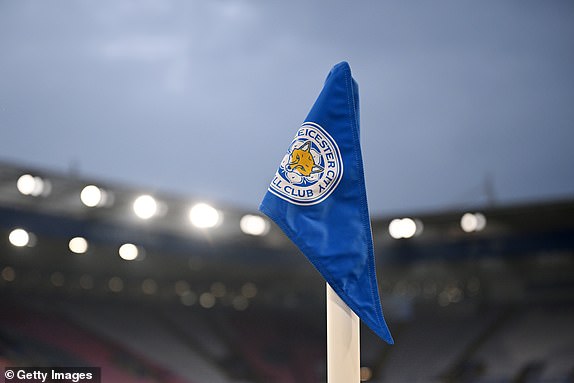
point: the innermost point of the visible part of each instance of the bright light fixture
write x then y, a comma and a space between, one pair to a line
128, 251
473, 222
19, 238
204, 216
27, 184
93, 196
78, 245
145, 206
253, 225
404, 228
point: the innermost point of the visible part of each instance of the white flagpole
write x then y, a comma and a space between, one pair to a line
343, 341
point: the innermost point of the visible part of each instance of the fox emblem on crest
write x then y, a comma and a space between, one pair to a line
302, 160
311, 169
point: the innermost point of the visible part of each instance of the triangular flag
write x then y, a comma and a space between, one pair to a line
318, 198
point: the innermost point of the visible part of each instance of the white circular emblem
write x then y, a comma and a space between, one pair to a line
311, 169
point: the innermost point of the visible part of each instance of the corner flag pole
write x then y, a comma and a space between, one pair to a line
343, 341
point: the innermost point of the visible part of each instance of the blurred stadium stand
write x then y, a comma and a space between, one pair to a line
491, 303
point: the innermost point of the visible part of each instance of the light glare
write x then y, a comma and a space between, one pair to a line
19, 237
145, 206
78, 245
404, 228
128, 251
92, 196
472, 222
34, 186
253, 225
204, 216
480, 221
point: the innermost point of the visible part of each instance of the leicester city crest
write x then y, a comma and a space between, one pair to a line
311, 169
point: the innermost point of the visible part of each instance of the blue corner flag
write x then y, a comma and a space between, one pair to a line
318, 198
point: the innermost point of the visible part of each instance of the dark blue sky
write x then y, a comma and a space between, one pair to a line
462, 103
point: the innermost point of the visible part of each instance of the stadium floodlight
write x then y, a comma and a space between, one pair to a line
400, 228
253, 225
78, 245
93, 196
34, 186
145, 206
19, 237
128, 251
471, 222
204, 216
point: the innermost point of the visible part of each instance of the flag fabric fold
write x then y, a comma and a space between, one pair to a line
318, 198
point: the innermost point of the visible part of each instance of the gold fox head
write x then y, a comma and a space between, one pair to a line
302, 160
